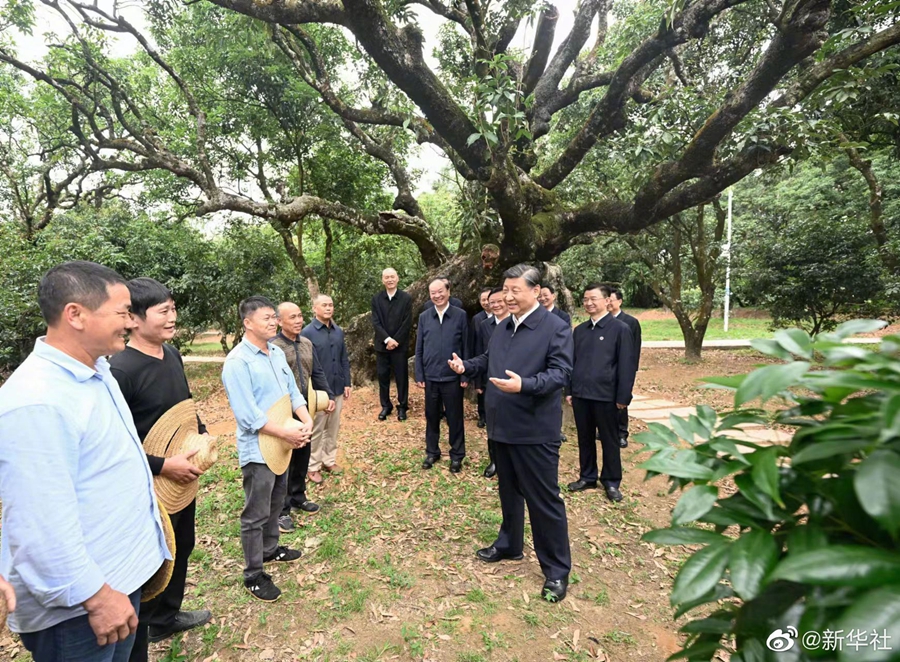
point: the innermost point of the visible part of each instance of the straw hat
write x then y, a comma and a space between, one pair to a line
316, 401
4, 611
173, 434
158, 582
277, 452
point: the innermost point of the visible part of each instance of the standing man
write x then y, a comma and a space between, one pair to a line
70, 451
443, 330
304, 363
486, 329
528, 363
256, 375
392, 319
548, 301
615, 307
601, 385
328, 340
477, 319
453, 300
150, 374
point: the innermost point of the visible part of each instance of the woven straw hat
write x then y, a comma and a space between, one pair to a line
4, 611
173, 434
158, 582
277, 452
316, 401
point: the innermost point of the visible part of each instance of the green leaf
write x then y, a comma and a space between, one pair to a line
877, 611
820, 450
732, 382
877, 484
890, 413
766, 382
726, 445
854, 327
694, 503
682, 428
806, 538
709, 625
682, 535
796, 341
472, 138
700, 573
841, 565
672, 466
771, 348
720, 592
765, 473
753, 555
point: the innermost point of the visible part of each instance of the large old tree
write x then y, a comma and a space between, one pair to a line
700, 92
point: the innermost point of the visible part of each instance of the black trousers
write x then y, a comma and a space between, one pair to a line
603, 417
623, 423
482, 414
296, 479
529, 474
160, 611
441, 396
396, 362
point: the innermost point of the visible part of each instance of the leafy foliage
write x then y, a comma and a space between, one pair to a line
809, 540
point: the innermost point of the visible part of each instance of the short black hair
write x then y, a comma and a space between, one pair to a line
496, 290
526, 272
548, 286
251, 304
487, 288
616, 292
78, 281
605, 290
146, 293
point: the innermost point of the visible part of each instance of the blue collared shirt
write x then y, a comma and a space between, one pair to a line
254, 381
78, 504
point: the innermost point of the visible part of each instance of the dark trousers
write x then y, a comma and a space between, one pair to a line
529, 474
160, 612
482, 415
440, 396
623, 423
603, 417
74, 640
396, 362
295, 494
263, 500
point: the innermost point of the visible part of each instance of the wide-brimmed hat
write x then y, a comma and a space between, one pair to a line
316, 401
158, 582
173, 434
275, 451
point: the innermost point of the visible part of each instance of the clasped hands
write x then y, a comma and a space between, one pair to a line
297, 433
511, 385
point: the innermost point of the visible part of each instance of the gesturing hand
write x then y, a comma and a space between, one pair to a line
456, 364
511, 385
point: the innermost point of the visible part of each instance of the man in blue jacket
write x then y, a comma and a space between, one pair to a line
443, 331
602, 379
499, 312
528, 362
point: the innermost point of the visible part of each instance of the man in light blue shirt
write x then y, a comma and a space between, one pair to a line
256, 375
68, 446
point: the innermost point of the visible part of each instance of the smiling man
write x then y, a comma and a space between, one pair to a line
81, 527
150, 373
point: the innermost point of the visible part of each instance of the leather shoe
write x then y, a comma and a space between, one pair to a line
623, 442
490, 470
385, 412
428, 462
481, 423
613, 494
581, 485
184, 620
554, 589
455, 466
401, 414
492, 555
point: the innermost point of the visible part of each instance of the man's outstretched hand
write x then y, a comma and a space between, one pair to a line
456, 364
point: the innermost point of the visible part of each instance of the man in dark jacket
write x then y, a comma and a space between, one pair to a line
392, 319
602, 379
443, 330
301, 357
615, 307
548, 301
474, 325
527, 363
500, 312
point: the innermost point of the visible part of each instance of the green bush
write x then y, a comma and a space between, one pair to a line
808, 542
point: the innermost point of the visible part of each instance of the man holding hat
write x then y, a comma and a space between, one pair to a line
82, 531
150, 373
257, 378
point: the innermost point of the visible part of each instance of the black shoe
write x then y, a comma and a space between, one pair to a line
184, 620
262, 588
428, 462
490, 470
554, 589
613, 494
401, 414
481, 423
455, 466
492, 555
286, 524
623, 442
385, 412
283, 555
308, 507
581, 485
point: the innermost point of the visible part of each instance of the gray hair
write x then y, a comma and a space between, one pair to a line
526, 272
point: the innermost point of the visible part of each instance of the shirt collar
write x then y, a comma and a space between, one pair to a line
446, 308
601, 321
284, 337
550, 309
618, 313
78, 370
518, 320
246, 342
321, 325
389, 295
